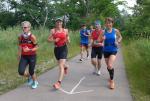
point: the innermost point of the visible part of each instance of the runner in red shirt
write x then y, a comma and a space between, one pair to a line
97, 47
27, 54
60, 37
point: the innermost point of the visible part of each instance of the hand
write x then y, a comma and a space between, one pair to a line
100, 44
26, 49
68, 41
19, 57
117, 44
89, 45
57, 39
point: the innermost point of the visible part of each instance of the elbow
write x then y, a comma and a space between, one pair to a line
48, 40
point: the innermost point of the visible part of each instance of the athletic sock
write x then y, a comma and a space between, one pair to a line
111, 73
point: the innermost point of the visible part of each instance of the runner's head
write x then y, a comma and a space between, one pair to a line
83, 26
59, 23
97, 24
26, 25
91, 27
109, 22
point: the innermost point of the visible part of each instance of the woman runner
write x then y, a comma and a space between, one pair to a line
27, 54
60, 37
112, 39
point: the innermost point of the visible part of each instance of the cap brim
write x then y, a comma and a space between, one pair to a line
58, 20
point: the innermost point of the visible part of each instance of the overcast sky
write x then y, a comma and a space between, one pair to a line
130, 3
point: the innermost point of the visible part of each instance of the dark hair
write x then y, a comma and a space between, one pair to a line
82, 25
109, 19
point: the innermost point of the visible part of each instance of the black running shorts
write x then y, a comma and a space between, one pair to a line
61, 52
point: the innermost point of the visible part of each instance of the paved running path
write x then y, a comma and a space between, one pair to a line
79, 85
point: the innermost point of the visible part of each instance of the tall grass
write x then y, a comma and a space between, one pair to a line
9, 77
137, 60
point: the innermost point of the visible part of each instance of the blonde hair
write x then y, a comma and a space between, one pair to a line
26, 23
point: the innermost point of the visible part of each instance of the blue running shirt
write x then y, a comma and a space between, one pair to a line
110, 41
84, 39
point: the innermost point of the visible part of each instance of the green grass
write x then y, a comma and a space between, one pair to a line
137, 61
9, 78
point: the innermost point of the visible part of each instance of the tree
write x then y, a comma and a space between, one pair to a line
36, 11
42, 13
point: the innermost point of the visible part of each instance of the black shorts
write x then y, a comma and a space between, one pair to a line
61, 52
84, 45
107, 54
27, 60
97, 52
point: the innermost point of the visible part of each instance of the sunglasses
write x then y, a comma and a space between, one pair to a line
25, 27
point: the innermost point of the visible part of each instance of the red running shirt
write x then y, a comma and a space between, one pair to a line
95, 34
26, 42
62, 38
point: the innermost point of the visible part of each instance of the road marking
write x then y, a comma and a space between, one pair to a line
83, 92
64, 91
75, 87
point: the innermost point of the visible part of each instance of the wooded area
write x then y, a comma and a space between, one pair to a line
41, 13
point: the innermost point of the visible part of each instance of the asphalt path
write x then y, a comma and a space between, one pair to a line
78, 85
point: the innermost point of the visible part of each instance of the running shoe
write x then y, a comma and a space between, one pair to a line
80, 60
88, 57
111, 84
57, 85
98, 72
34, 84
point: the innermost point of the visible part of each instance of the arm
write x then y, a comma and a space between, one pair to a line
91, 40
34, 40
84, 34
88, 33
119, 36
101, 37
67, 34
50, 37
19, 49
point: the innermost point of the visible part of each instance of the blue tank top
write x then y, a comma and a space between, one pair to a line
109, 42
84, 39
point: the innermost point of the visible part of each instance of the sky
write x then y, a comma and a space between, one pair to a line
130, 3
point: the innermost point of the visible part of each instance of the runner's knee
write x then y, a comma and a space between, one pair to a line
21, 72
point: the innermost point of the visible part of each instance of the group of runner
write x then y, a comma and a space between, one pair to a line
102, 41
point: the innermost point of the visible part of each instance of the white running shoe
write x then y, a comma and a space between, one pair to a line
98, 72
88, 57
34, 84
80, 60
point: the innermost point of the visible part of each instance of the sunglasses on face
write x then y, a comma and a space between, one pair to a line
25, 27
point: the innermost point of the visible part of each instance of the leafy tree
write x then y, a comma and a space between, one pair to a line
7, 19
36, 11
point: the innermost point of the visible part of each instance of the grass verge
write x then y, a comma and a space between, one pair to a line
137, 60
9, 78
